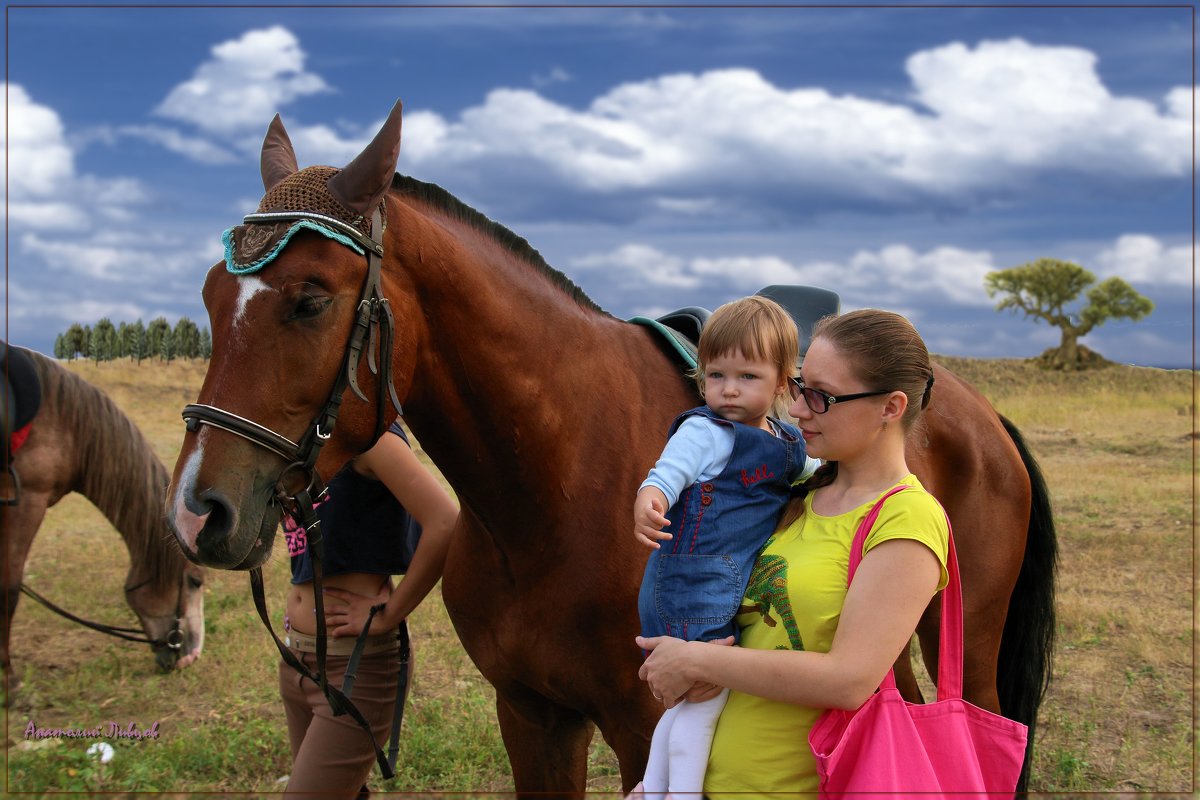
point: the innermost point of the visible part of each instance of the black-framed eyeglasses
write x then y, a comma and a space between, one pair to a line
819, 402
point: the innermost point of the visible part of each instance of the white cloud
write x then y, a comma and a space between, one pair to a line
197, 149
1024, 105
986, 117
321, 144
553, 76
245, 82
981, 120
949, 271
38, 154
634, 266
232, 97
890, 276
45, 191
1138, 258
749, 273
116, 256
48, 215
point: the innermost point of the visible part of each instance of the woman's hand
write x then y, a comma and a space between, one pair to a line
671, 669
346, 612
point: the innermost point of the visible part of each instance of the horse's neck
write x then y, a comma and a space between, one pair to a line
515, 375
113, 466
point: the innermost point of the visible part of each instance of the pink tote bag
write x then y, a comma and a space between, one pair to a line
889, 745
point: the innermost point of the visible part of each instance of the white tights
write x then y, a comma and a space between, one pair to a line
679, 749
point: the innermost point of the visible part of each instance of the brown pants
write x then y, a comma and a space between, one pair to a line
332, 755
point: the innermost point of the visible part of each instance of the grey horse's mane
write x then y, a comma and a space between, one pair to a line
114, 467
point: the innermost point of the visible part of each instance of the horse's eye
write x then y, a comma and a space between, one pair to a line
309, 306
194, 582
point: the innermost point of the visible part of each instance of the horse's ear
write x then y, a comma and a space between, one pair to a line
278, 157
364, 180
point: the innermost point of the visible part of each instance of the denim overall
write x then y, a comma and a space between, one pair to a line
694, 583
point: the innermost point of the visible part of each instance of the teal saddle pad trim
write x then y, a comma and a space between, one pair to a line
678, 342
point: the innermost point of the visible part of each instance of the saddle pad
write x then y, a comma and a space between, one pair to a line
678, 344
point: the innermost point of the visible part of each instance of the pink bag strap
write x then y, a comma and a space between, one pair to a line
950, 646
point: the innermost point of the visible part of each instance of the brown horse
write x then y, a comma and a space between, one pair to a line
81, 442
544, 413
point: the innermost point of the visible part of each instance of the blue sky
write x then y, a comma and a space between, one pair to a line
660, 157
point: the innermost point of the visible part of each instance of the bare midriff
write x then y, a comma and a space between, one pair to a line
301, 600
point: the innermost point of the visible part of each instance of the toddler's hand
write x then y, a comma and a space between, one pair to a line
649, 517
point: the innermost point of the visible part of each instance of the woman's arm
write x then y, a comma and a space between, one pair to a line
394, 463
891, 589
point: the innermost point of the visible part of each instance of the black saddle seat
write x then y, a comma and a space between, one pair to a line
805, 304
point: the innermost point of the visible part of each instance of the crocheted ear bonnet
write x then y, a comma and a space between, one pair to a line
250, 247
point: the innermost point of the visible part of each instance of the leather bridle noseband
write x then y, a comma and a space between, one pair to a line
373, 326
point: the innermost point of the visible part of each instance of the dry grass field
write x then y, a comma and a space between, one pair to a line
1118, 449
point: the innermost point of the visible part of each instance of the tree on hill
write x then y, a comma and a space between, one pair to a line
103, 341
135, 341
85, 342
121, 341
187, 338
1043, 288
73, 342
154, 336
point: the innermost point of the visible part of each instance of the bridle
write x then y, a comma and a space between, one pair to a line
373, 317
373, 326
171, 640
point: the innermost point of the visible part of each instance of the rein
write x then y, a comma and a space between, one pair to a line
373, 326
173, 640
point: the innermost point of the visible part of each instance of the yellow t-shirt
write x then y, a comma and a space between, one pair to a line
793, 602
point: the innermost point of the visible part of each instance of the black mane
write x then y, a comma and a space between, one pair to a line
435, 196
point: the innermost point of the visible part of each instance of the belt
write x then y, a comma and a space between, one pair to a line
343, 646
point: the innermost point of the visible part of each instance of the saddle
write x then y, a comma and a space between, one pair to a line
680, 330
20, 399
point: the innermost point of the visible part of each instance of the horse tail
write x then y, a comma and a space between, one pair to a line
1023, 671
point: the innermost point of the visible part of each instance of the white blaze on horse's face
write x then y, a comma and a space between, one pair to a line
187, 524
248, 287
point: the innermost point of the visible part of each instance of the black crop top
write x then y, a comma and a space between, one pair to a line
364, 526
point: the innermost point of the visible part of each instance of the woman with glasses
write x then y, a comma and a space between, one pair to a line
712, 500
808, 643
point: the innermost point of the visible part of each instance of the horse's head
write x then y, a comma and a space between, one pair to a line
290, 320
169, 602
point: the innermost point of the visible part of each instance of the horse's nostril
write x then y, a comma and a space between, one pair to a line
219, 523
219, 519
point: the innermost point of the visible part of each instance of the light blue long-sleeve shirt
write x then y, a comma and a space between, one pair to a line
699, 450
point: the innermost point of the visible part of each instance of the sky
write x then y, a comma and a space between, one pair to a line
660, 157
